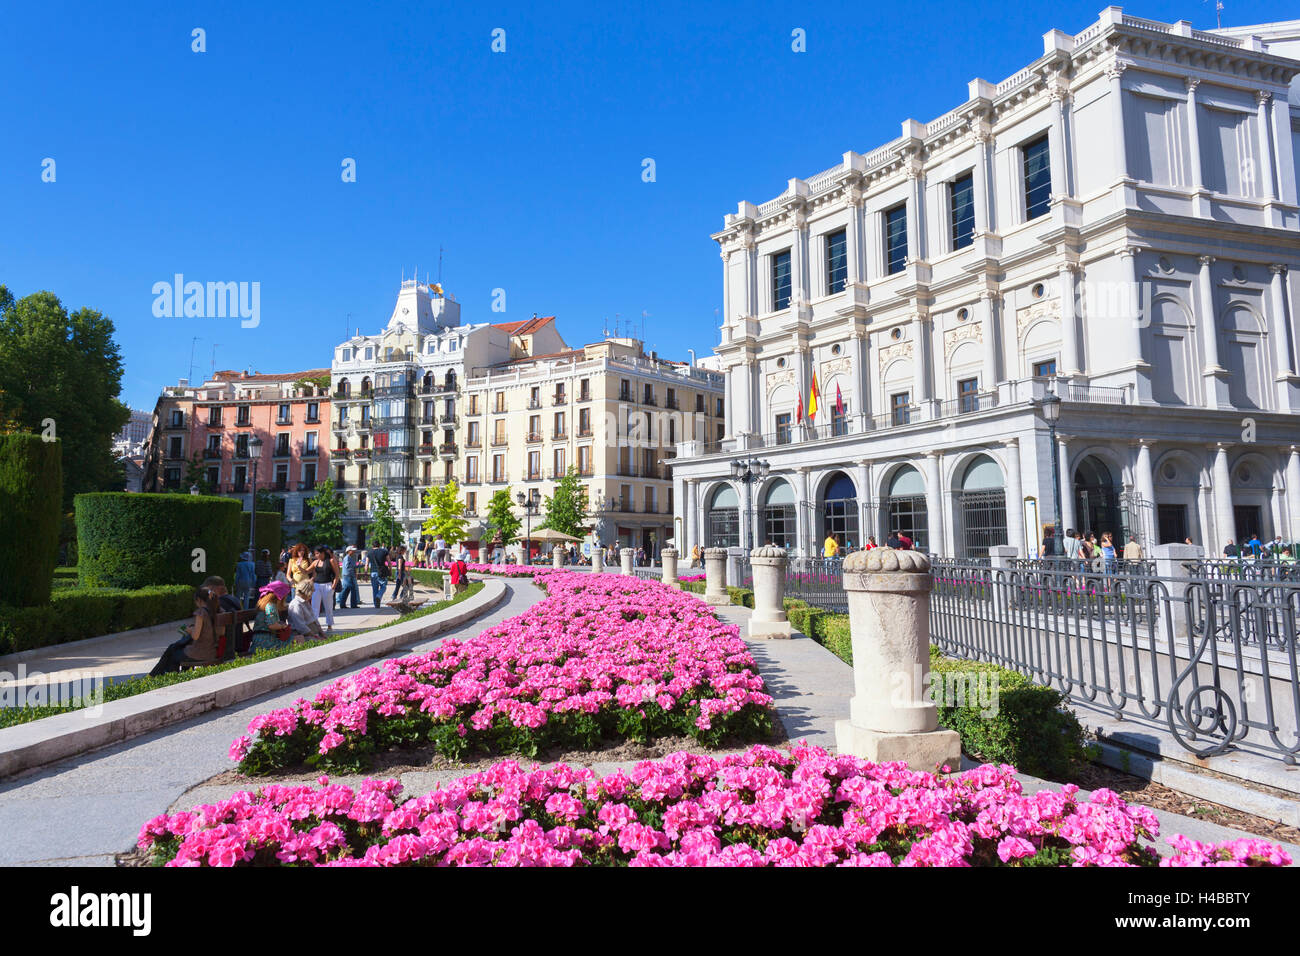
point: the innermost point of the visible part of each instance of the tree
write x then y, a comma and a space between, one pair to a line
501, 517
384, 528
446, 513
566, 510
326, 524
196, 475
60, 375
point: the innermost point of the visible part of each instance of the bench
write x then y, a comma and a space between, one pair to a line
403, 606
236, 623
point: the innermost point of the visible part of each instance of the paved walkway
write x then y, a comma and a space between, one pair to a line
82, 811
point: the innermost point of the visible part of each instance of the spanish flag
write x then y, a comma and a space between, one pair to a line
813, 394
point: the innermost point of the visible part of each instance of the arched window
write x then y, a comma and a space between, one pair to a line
779, 519
840, 511
1097, 500
345, 388
722, 519
904, 510
981, 508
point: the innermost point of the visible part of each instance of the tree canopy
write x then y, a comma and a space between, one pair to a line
566, 510
383, 528
446, 513
61, 375
326, 524
501, 517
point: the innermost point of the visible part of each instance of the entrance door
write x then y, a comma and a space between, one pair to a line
1173, 523
1249, 521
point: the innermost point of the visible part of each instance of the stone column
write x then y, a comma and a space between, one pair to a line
626, 555
934, 505
802, 515
988, 329
1016, 537
668, 558
1115, 74
1200, 206
1067, 490
890, 717
768, 619
1209, 326
1069, 320
1224, 520
1266, 190
557, 557
1281, 347
1293, 490
715, 576
597, 560
1144, 482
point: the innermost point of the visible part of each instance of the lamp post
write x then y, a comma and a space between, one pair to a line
529, 504
749, 471
1051, 408
255, 452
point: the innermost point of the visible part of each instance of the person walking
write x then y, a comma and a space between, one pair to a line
263, 569
377, 563
325, 577
245, 581
349, 588
1051, 548
1132, 550
831, 547
1230, 549
300, 565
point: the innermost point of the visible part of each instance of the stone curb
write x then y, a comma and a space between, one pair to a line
21, 657
25, 746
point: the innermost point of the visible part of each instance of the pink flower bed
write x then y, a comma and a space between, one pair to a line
690, 578
601, 657
763, 807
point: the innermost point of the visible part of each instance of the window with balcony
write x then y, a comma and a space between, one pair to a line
837, 262
473, 404
498, 468
584, 422
534, 427
361, 498
471, 502
178, 418
500, 402
900, 407
242, 415
1037, 171
784, 428
309, 477
284, 417
310, 448
241, 479
339, 472
896, 239
499, 432
961, 211
471, 469
780, 266
472, 439
313, 412
241, 445
699, 402
282, 445
584, 460
363, 474
561, 432
534, 465
281, 478
584, 390
214, 416
559, 462
649, 395
968, 394
624, 390
561, 395
535, 397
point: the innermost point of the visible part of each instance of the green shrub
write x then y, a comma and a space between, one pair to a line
1029, 730
695, 587
77, 613
269, 534
430, 577
31, 496
68, 540
833, 632
741, 596
137, 540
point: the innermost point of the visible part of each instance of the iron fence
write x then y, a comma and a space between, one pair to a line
1214, 661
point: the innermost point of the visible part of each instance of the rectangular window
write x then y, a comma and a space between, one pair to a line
534, 465
560, 464
471, 498
471, 468
840, 420
560, 431
282, 444
284, 415
281, 477
471, 435
968, 394
308, 477
214, 415
241, 415
178, 418
900, 409
313, 411
961, 211
498, 467
584, 460
837, 261
535, 397
896, 239
501, 401
499, 434
584, 421
241, 445
311, 441
783, 429
1045, 369
781, 281
534, 427
1038, 177
584, 390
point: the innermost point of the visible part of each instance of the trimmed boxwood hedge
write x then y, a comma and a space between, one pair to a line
134, 541
269, 534
430, 577
76, 613
31, 496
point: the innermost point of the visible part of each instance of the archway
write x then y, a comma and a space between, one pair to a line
722, 518
904, 510
1097, 505
779, 520
981, 508
840, 511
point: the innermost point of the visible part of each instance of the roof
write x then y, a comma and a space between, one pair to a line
525, 327
525, 359
230, 375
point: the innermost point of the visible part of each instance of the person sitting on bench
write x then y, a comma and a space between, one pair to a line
301, 617
198, 643
271, 631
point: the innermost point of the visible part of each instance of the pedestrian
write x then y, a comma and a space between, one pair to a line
299, 568
871, 543
459, 575
245, 580
1229, 549
325, 576
282, 574
1132, 550
198, 641
904, 542
1072, 546
440, 547
271, 628
377, 563
1107, 553
1051, 548
831, 547
264, 569
695, 556
349, 589
1256, 546
302, 619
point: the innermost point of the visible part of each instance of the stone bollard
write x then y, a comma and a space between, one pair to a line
668, 558
768, 619
446, 585
890, 716
557, 558
597, 560
715, 574
626, 556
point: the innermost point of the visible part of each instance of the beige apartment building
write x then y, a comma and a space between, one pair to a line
610, 411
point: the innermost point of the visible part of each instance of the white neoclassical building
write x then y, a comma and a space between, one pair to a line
1115, 225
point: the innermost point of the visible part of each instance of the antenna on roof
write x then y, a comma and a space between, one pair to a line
1218, 13
440, 265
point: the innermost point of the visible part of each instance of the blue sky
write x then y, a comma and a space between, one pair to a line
525, 166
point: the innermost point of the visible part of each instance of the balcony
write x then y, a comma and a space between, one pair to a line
306, 486
278, 421
625, 397
559, 435
584, 432
310, 452
212, 453
312, 421
443, 389
447, 451
339, 427
176, 426
651, 401
400, 483
584, 396
447, 418
390, 421
340, 452
501, 478
341, 484
473, 411
280, 486
472, 480
560, 398
393, 451
394, 391
474, 442
533, 476
241, 454
243, 422
585, 472
237, 488
533, 437
282, 451
361, 453
498, 441
673, 404
211, 424
429, 420
424, 451
534, 403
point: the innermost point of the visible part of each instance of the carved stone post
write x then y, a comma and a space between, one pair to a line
626, 556
891, 717
597, 560
715, 575
768, 619
668, 558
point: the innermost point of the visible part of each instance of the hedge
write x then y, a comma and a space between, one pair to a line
138, 540
31, 496
270, 537
427, 576
76, 613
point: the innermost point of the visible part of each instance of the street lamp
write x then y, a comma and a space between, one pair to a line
255, 452
529, 504
749, 471
1051, 408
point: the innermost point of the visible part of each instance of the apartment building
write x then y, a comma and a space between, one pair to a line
607, 410
220, 423
1111, 232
